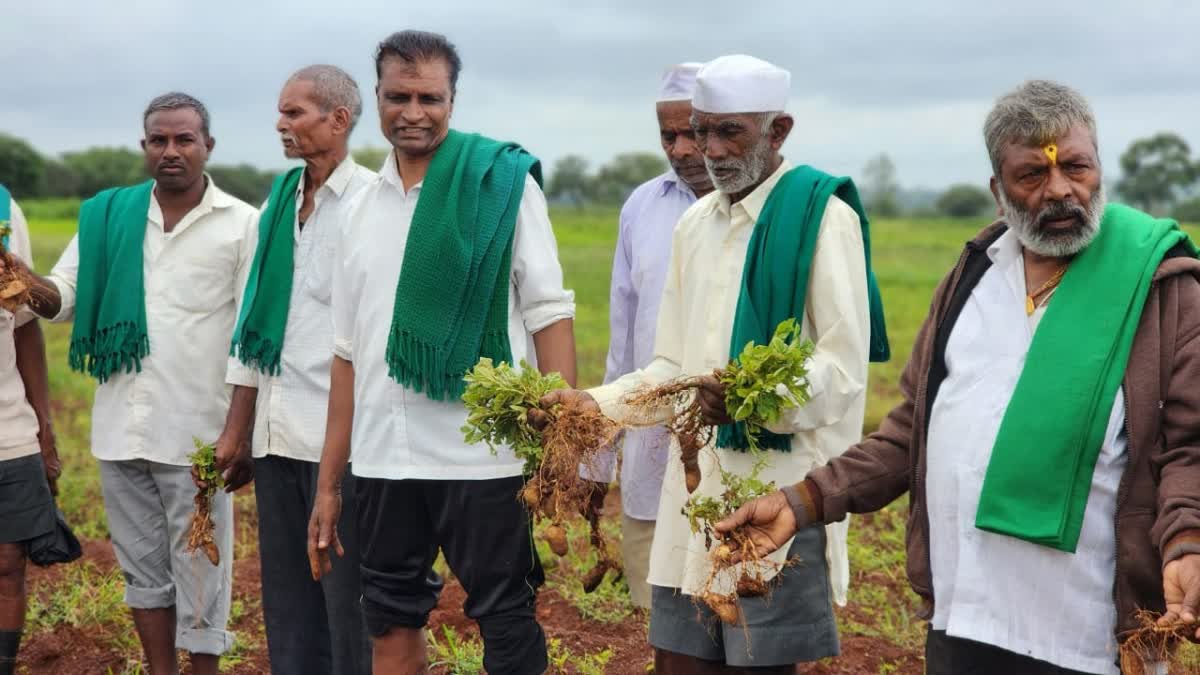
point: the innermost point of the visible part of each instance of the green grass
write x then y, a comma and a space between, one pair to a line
910, 257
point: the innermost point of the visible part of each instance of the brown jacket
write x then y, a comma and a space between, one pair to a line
1158, 501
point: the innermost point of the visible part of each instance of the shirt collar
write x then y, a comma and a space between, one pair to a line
391, 174
340, 178
1005, 249
214, 198
753, 202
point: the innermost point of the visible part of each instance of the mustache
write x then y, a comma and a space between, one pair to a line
287, 137
1060, 210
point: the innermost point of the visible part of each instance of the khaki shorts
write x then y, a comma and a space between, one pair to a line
149, 507
636, 538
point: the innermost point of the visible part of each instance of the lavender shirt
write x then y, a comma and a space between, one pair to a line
639, 272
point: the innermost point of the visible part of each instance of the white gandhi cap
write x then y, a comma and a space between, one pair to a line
679, 82
741, 84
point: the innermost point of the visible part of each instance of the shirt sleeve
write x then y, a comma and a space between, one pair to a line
20, 246
838, 311
536, 272
668, 353
622, 304
341, 300
64, 276
238, 373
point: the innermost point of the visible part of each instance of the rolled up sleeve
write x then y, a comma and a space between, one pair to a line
536, 272
65, 276
239, 374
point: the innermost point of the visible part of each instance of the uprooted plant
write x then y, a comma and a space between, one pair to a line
738, 569
15, 284
200, 536
762, 382
498, 399
1151, 642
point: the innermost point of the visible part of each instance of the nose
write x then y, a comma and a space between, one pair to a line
412, 112
1058, 188
281, 124
683, 147
171, 151
714, 149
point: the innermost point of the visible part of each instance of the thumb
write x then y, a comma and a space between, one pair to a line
736, 519
552, 399
1191, 599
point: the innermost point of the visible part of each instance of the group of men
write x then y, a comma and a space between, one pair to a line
1049, 433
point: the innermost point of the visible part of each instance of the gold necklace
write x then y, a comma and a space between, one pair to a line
1051, 284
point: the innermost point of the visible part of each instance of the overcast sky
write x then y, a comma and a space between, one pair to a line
911, 79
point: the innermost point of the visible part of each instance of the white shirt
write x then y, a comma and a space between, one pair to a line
1033, 600
695, 325
399, 433
292, 406
18, 423
194, 276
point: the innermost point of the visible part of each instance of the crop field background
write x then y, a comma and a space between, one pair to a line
78, 623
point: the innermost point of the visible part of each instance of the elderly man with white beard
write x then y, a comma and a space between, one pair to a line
1049, 434
773, 242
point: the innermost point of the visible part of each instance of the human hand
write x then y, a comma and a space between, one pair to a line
322, 532
767, 521
540, 418
49, 449
233, 461
711, 396
1181, 590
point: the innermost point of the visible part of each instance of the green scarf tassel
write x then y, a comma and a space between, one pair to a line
778, 266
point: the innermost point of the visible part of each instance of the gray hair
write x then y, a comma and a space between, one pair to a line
332, 88
1035, 113
768, 118
176, 101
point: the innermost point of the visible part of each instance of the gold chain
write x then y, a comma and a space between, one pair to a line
1051, 284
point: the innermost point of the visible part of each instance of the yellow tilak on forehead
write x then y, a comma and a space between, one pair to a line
1051, 151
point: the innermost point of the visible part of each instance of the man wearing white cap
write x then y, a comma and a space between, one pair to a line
639, 271
773, 242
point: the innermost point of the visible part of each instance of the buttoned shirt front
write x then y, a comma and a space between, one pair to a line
639, 271
399, 433
193, 276
992, 588
18, 423
695, 325
292, 406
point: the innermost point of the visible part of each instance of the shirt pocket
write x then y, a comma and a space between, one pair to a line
203, 285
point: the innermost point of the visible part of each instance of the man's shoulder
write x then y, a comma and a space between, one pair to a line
649, 189
232, 206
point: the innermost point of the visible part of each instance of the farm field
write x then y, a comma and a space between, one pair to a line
78, 623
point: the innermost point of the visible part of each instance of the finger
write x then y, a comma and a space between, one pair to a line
1169, 618
337, 545
553, 398
1191, 600
736, 519
314, 564
712, 386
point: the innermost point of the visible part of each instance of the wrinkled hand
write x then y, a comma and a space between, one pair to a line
538, 416
49, 447
711, 397
233, 461
1181, 589
322, 532
767, 520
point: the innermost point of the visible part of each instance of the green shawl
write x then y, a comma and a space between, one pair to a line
258, 338
451, 303
1040, 473
5, 215
109, 334
777, 269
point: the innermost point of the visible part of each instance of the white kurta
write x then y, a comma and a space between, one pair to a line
194, 276
291, 406
694, 329
18, 423
992, 588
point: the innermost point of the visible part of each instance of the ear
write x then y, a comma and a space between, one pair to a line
780, 129
210, 143
994, 186
143, 142
341, 120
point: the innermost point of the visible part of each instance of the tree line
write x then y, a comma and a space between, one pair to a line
1157, 174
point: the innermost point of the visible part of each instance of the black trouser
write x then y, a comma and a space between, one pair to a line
312, 627
945, 655
483, 531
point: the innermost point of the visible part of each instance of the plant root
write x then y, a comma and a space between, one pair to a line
200, 537
16, 287
686, 424
1150, 642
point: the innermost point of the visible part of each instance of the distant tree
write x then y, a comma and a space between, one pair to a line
58, 180
964, 201
882, 190
370, 157
613, 183
243, 181
21, 167
1155, 170
1188, 211
101, 168
569, 180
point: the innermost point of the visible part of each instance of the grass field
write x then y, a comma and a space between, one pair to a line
909, 257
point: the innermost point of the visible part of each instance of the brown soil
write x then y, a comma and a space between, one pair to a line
84, 650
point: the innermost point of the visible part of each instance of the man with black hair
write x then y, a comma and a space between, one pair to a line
448, 256
152, 283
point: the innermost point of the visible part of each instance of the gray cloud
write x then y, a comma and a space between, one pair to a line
912, 79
